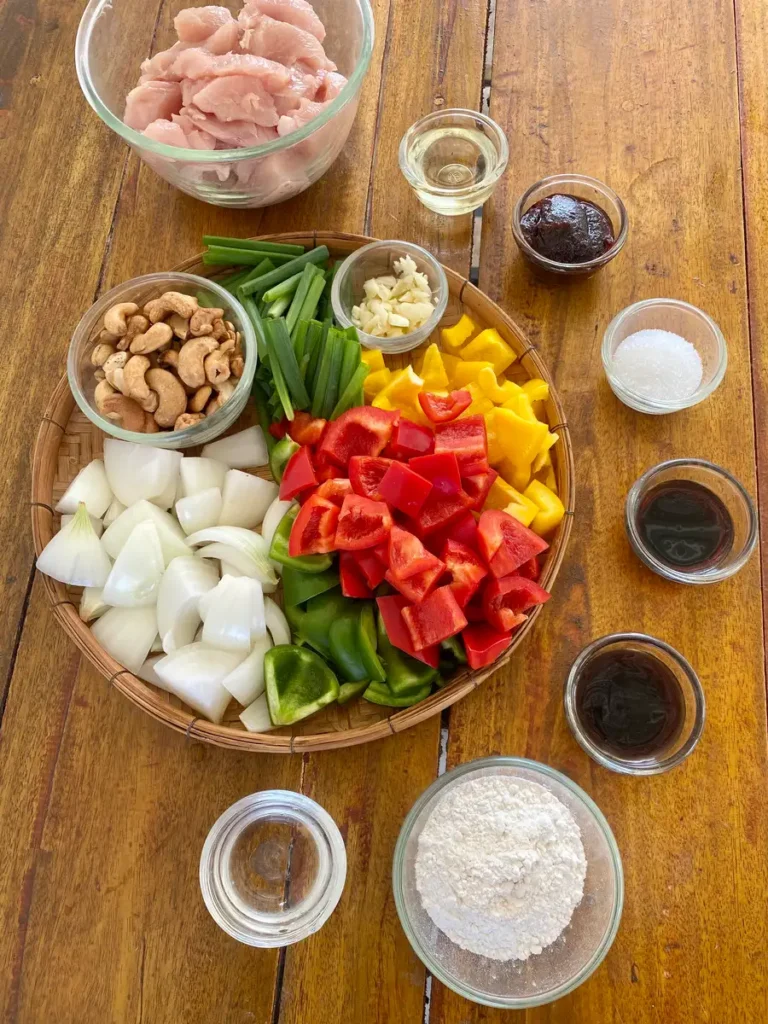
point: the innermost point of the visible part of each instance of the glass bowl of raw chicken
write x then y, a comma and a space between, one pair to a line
245, 105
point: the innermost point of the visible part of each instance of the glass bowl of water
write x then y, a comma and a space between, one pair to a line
453, 159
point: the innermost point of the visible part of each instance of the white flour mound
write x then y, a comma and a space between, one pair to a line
500, 867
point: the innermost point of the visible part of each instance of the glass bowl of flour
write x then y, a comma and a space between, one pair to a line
508, 882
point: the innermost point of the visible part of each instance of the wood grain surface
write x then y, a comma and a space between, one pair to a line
104, 812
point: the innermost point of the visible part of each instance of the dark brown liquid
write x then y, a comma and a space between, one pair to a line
567, 229
629, 703
685, 525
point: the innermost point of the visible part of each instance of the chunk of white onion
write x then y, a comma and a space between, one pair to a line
98, 526
135, 577
185, 581
273, 517
244, 450
127, 634
137, 471
200, 475
171, 537
256, 718
89, 486
276, 622
245, 499
199, 511
74, 555
194, 673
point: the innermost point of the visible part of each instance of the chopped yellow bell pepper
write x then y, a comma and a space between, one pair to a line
523, 510
454, 337
551, 509
489, 346
376, 381
520, 438
498, 389
518, 476
521, 404
495, 447
543, 458
536, 389
550, 480
501, 493
433, 370
402, 389
450, 363
467, 373
373, 359
480, 405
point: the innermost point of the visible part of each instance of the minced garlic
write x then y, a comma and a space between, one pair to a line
395, 305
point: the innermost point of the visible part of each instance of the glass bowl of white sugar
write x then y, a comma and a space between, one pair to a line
663, 355
508, 882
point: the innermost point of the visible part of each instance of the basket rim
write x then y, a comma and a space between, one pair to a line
186, 722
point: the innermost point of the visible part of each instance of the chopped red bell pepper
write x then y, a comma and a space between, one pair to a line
406, 554
442, 471
328, 473
474, 610
505, 543
391, 612
435, 619
335, 489
483, 645
278, 429
415, 588
370, 566
530, 569
314, 528
363, 430
404, 489
439, 510
477, 487
299, 474
352, 582
366, 473
410, 439
382, 553
463, 529
466, 568
443, 408
505, 600
467, 440
306, 429
362, 523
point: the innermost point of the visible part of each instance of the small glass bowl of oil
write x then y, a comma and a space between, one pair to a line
453, 159
273, 868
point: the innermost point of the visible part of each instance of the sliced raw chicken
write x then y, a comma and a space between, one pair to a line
294, 12
197, 138
150, 101
231, 134
238, 98
329, 85
279, 41
301, 86
196, 24
166, 131
191, 87
224, 40
198, 63
307, 110
159, 66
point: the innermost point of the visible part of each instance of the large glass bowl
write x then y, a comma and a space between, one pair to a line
561, 967
113, 40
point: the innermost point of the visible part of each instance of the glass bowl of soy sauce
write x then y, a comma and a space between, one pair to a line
691, 522
634, 704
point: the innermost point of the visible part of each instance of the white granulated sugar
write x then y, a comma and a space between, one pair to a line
500, 867
658, 365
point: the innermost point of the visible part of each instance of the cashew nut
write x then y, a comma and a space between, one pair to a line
98, 374
201, 322
219, 330
115, 319
200, 397
101, 353
169, 358
136, 386
193, 352
113, 370
171, 302
106, 336
156, 337
137, 324
103, 391
217, 367
237, 365
150, 427
179, 325
228, 345
188, 419
124, 412
225, 392
172, 396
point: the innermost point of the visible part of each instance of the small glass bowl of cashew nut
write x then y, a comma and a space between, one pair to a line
149, 364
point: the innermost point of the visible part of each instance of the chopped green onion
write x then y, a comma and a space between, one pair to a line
352, 395
255, 317
230, 281
307, 276
281, 353
316, 357
315, 290
287, 287
279, 306
350, 361
263, 268
299, 338
261, 284
221, 257
327, 390
260, 401
255, 243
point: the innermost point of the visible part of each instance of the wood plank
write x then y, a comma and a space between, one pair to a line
360, 966
642, 95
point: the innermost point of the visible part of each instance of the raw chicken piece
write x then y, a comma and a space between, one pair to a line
224, 40
159, 66
231, 134
238, 98
196, 24
279, 41
301, 86
197, 138
166, 131
329, 85
198, 63
150, 101
190, 89
306, 111
294, 12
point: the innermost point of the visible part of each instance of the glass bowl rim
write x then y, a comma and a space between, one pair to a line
138, 140
188, 434
701, 392
647, 557
417, 251
618, 765
432, 965
556, 265
435, 115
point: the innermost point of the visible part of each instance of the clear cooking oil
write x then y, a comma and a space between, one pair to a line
453, 168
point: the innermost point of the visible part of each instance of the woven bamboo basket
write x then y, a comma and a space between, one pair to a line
67, 441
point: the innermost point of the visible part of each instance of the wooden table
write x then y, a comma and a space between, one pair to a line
103, 812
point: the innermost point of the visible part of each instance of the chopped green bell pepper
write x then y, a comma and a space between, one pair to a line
280, 455
380, 693
279, 550
300, 587
405, 675
311, 624
298, 683
349, 690
352, 642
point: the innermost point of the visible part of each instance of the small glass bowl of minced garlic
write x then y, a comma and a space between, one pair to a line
394, 293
